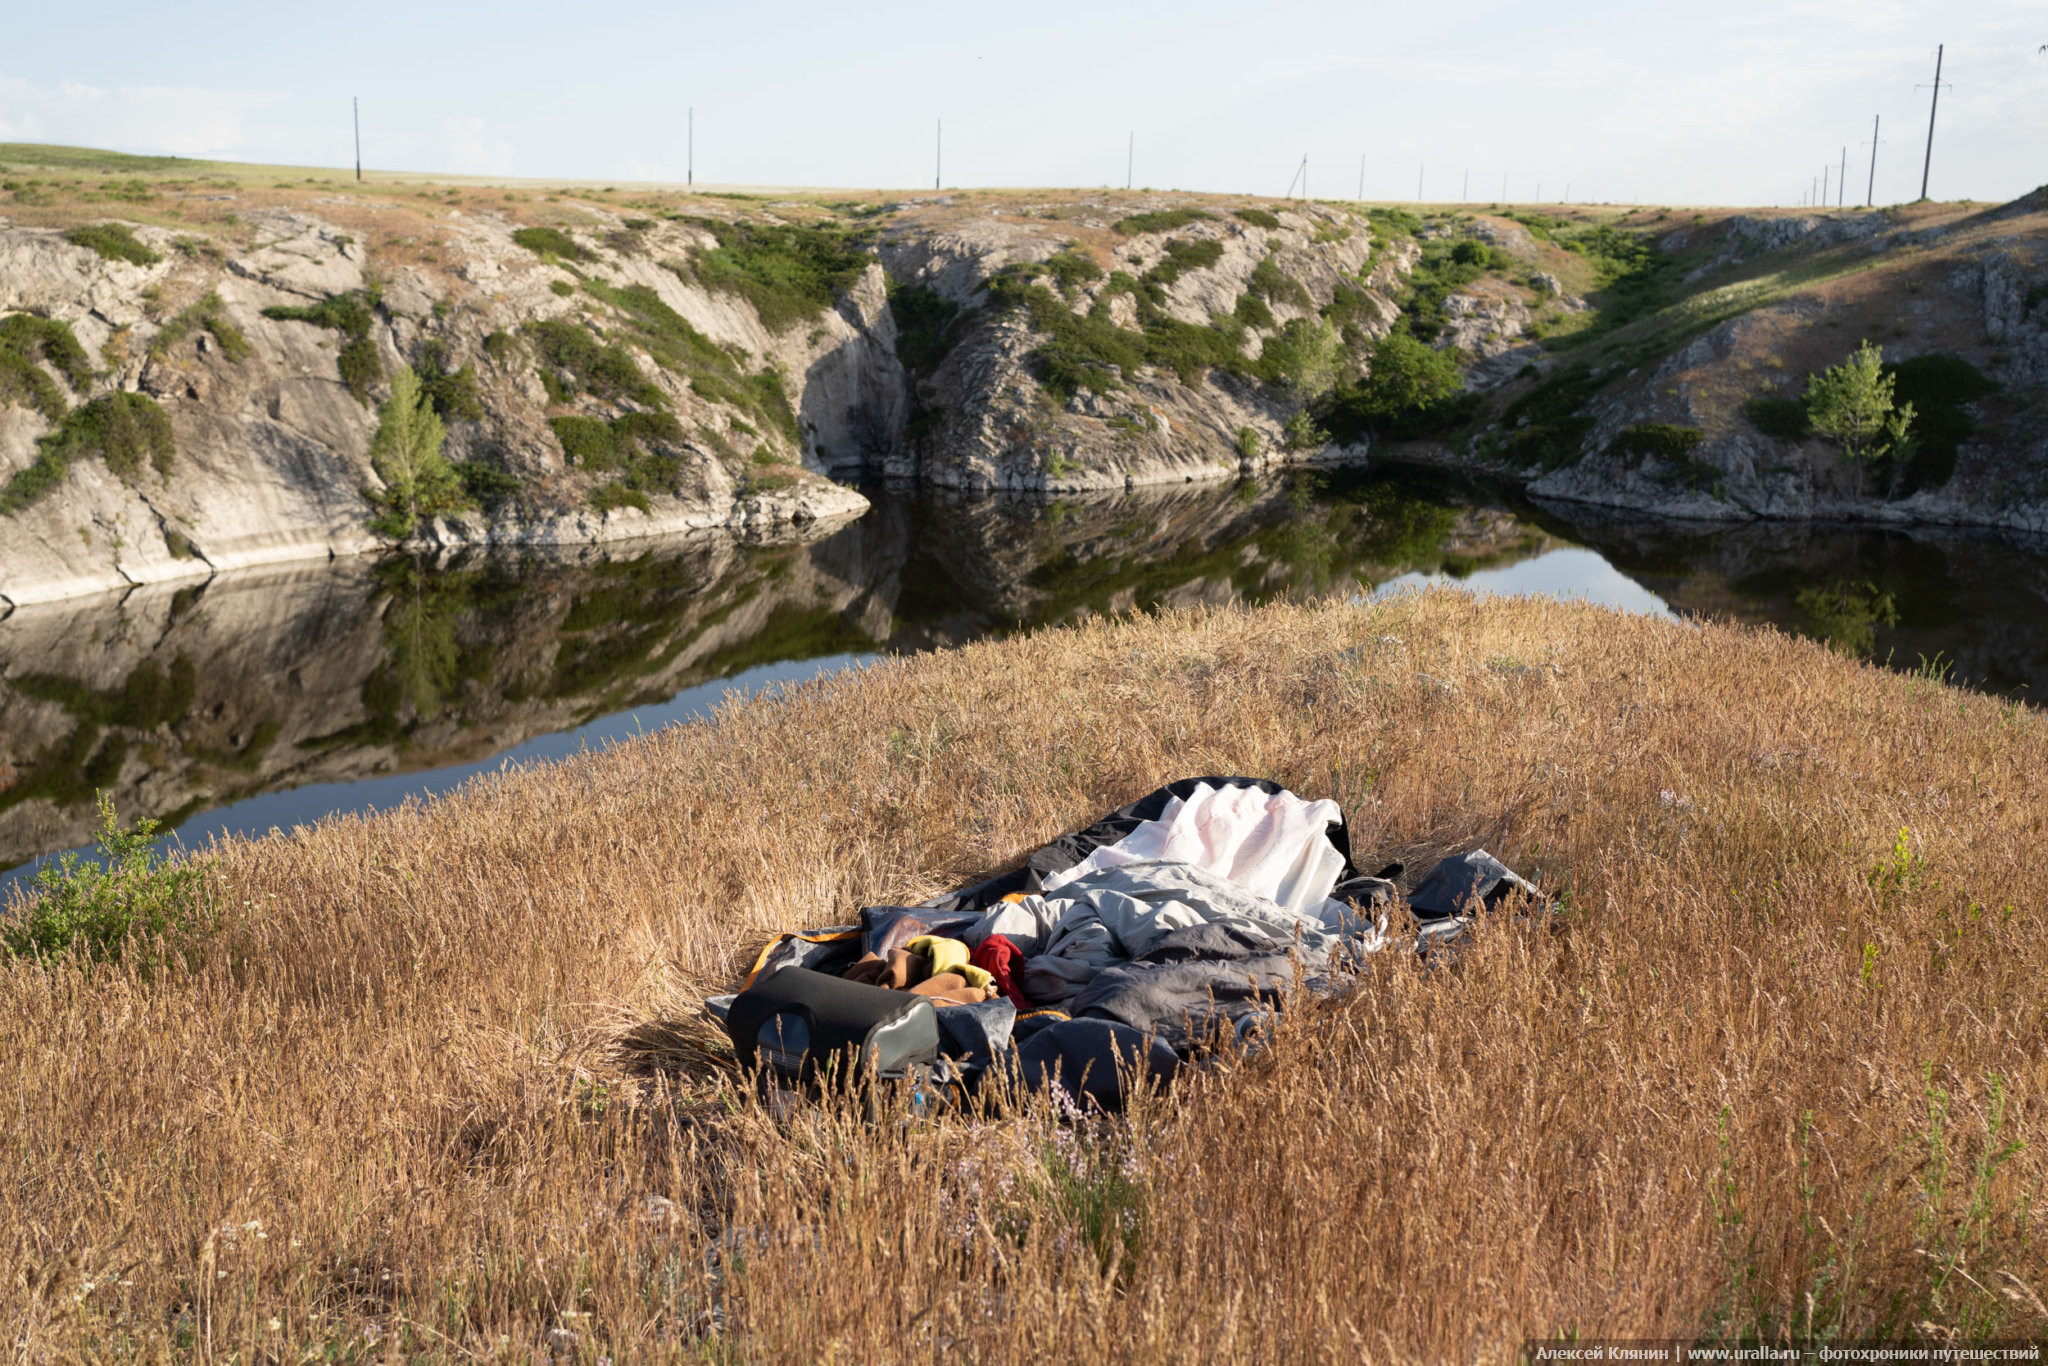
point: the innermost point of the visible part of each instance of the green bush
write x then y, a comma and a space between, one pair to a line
551, 244
1938, 387
788, 273
352, 314
1396, 222
1259, 218
25, 339
487, 485
924, 326
1302, 433
1166, 220
129, 903
575, 361
1658, 441
114, 242
1276, 286
501, 346
1411, 390
123, 429
452, 392
209, 312
1071, 268
714, 371
606, 497
1304, 355
1555, 431
1353, 312
1247, 443
1778, 416
1251, 311
1180, 256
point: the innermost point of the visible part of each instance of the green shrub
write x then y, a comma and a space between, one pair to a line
1276, 286
574, 361
1251, 311
123, 429
1247, 443
1411, 390
551, 244
1166, 220
406, 453
501, 346
1555, 432
352, 314
1396, 222
209, 312
1180, 256
714, 371
1778, 416
1304, 356
1259, 218
1658, 441
1937, 387
562, 288
606, 497
128, 903
924, 326
452, 392
1302, 433
487, 485
788, 273
114, 242
1353, 311
25, 339
1071, 268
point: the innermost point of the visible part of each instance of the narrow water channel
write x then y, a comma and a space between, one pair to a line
268, 701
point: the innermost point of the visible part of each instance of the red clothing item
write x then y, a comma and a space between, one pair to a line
999, 958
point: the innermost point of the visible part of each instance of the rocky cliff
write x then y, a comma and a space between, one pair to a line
196, 385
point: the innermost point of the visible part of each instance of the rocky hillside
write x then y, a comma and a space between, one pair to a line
194, 369
196, 361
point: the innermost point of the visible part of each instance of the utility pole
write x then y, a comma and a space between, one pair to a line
1465, 195
939, 154
1418, 181
358, 101
1932, 106
1842, 182
1361, 175
1503, 187
1567, 193
690, 175
1304, 175
1130, 158
1870, 195
1825, 172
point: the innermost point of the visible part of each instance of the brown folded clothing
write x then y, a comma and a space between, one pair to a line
870, 970
951, 988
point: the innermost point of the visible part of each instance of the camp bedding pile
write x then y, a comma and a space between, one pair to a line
1120, 951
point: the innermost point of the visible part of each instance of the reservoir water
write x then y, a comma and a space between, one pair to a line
271, 700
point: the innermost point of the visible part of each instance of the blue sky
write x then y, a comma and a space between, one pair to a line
1740, 101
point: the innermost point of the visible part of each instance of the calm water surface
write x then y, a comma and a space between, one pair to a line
271, 701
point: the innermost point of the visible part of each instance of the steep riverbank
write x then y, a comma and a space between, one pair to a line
191, 360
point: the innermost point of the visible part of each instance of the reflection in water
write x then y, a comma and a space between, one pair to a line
256, 701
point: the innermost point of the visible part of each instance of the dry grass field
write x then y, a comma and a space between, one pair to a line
435, 1086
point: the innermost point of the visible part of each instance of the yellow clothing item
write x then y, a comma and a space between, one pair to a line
949, 955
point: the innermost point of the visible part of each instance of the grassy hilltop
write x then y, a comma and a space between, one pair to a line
434, 1082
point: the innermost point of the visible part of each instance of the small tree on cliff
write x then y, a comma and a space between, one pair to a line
1851, 405
418, 480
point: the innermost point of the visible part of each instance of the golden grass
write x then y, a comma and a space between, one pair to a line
442, 1086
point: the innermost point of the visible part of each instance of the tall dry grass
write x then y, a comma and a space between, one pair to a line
440, 1086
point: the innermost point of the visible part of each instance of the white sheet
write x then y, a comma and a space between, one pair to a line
1273, 845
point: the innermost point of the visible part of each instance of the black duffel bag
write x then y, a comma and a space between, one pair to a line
801, 1023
